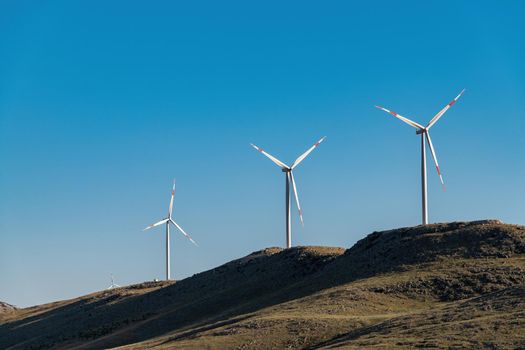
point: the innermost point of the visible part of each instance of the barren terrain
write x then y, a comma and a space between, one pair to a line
459, 285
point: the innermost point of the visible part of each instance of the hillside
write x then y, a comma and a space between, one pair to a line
6, 310
455, 285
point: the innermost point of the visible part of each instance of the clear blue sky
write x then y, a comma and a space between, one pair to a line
102, 104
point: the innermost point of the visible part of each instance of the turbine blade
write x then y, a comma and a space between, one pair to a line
163, 221
305, 154
272, 158
441, 112
172, 195
184, 233
427, 135
296, 198
406, 120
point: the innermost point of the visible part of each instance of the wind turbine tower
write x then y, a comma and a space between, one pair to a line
169, 220
113, 284
424, 131
290, 182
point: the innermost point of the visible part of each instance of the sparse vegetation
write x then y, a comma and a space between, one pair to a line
458, 285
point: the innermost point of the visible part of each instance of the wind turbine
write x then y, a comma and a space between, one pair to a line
169, 220
113, 284
425, 137
290, 179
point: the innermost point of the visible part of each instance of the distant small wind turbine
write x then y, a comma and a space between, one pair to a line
167, 221
113, 284
425, 135
290, 179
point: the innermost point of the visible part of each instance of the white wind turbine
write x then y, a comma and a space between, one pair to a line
425, 137
113, 284
169, 220
290, 179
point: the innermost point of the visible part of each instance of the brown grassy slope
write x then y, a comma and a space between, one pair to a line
6, 310
236, 287
305, 297
492, 321
329, 315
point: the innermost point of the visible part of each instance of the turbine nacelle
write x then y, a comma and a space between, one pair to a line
421, 131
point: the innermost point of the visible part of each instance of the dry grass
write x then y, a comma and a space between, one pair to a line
458, 285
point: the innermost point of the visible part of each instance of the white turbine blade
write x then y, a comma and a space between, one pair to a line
296, 198
272, 158
441, 112
163, 221
406, 120
172, 195
303, 156
435, 158
184, 233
